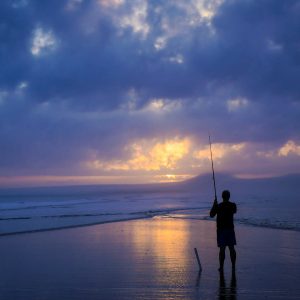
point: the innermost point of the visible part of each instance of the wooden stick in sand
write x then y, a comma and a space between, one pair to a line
198, 259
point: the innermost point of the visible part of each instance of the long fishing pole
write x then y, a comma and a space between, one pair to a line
212, 167
214, 179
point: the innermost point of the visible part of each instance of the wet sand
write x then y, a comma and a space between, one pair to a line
148, 259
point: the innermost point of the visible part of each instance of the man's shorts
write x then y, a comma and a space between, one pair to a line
226, 237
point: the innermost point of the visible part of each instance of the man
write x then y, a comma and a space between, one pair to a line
225, 228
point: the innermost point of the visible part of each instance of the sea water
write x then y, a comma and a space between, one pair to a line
38, 209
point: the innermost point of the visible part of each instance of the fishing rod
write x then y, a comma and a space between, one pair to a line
214, 179
212, 167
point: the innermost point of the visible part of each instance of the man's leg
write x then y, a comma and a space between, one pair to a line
232, 256
222, 258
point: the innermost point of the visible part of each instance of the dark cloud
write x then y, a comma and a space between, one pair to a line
260, 47
88, 88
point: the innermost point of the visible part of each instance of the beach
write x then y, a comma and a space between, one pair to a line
148, 259
128, 129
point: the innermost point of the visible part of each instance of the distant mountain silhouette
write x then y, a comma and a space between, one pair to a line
202, 184
279, 185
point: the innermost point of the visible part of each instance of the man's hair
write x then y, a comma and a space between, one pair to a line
226, 195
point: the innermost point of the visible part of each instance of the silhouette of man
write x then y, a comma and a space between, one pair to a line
225, 228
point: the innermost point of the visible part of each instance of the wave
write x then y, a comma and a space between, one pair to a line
63, 204
31, 213
256, 222
28, 224
22, 224
17, 232
269, 223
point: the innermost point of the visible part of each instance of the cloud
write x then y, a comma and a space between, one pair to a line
219, 151
289, 148
148, 156
42, 41
82, 79
236, 104
137, 18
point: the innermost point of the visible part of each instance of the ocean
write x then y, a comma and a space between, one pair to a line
37, 209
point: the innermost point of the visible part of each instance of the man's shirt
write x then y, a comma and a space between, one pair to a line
224, 211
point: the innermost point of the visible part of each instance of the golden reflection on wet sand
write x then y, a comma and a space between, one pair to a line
167, 242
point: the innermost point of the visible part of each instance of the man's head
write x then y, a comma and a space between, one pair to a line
226, 195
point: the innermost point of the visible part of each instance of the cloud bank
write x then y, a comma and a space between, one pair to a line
107, 88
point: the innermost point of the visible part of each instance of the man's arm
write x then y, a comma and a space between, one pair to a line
214, 209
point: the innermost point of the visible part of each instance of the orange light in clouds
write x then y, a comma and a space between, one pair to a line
172, 177
289, 148
171, 160
148, 156
219, 150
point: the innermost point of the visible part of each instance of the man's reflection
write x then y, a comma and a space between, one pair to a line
225, 292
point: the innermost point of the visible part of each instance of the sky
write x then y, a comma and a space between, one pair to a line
128, 91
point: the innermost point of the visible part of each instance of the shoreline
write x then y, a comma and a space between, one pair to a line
71, 226
237, 224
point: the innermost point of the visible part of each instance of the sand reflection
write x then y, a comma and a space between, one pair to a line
165, 242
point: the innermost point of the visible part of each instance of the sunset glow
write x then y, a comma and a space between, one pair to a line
127, 91
148, 156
